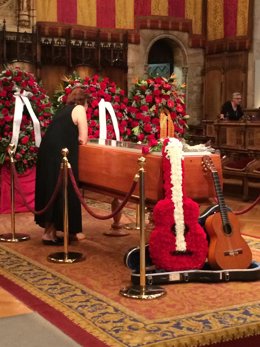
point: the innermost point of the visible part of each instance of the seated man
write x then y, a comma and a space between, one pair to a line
232, 110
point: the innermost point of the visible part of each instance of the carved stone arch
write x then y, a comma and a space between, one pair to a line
189, 63
179, 53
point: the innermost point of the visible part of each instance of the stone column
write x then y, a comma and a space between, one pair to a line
184, 74
24, 14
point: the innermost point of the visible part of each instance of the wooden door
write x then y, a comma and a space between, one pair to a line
213, 86
225, 73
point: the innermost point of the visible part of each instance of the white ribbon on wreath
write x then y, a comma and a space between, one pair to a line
21, 100
103, 106
174, 153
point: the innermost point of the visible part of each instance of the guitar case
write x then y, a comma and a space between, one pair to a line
156, 276
208, 212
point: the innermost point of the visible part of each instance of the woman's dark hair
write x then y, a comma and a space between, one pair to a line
77, 96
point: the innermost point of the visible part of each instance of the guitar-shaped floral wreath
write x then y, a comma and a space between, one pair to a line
177, 242
227, 248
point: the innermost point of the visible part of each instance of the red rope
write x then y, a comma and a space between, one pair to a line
52, 198
111, 215
249, 207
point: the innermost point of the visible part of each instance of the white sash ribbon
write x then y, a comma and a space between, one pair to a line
103, 106
20, 101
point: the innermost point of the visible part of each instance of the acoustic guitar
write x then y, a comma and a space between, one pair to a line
227, 248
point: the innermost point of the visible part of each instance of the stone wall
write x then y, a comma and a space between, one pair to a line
9, 13
8, 10
253, 76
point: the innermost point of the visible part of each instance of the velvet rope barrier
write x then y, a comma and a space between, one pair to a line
245, 210
249, 207
117, 210
52, 198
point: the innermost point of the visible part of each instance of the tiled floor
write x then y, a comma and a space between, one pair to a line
10, 306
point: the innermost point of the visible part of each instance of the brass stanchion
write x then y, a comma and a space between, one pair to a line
142, 291
13, 237
65, 257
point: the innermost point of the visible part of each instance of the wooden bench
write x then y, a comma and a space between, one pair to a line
243, 172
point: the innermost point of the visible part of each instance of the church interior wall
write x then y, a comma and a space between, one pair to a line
254, 66
189, 62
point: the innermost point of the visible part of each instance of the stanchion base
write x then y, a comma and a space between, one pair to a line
116, 232
62, 257
131, 226
144, 293
9, 237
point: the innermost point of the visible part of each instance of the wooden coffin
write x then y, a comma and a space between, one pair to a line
111, 169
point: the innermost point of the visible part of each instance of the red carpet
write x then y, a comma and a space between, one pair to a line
83, 299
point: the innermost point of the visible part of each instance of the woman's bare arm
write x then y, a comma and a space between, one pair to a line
80, 119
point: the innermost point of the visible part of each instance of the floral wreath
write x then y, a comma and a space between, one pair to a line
98, 88
11, 80
150, 99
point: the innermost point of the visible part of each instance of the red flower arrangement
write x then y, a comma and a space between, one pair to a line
98, 88
12, 80
148, 99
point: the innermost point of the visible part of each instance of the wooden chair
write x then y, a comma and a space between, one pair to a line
253, 176
235, 173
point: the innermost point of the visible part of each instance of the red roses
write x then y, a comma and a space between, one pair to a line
99, 88
148, 98
12, 80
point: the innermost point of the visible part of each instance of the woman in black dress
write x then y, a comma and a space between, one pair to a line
67, 130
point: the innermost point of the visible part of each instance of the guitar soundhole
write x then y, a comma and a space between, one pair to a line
228, 229
173, 230
187, 252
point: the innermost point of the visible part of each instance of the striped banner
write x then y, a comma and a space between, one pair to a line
177, 8
46, 11
143, 8
225, 18
87, 12
230, 18
106, 13
159, 8
215, 20
242, 17
67, 11
125, 14
193, 11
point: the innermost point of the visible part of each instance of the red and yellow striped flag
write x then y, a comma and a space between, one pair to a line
225, 18
106, 13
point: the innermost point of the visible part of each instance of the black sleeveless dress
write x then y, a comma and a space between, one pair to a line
62, 133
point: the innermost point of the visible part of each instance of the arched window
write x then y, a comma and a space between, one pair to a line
161, 59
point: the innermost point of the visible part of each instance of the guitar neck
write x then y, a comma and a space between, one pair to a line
221, 200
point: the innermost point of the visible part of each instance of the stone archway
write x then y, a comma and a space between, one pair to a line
188, 65
176, 51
